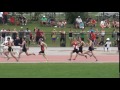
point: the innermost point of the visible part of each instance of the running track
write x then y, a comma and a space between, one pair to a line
62, 59
61, 55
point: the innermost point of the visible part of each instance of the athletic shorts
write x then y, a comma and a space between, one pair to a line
90, 49
10, 49
41, 52
24, 50
80, 50
53, 39
76, 51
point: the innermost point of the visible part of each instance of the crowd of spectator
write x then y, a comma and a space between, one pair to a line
95, 34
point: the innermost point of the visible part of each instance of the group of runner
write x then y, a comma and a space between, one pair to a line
24, 49
78, 48
77, 44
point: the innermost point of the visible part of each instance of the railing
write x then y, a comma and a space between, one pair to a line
48, 38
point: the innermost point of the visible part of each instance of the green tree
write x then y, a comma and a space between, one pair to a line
71, 16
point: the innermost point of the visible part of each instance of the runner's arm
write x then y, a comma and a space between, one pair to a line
45, 45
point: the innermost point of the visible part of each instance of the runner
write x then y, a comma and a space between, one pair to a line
90, 49
42, 52
10, 50
76, 49
24, 48
80, 44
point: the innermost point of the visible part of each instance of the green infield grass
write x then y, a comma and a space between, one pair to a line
59, 70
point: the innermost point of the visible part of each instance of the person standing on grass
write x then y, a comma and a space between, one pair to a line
97, 37
54, 36
107, 45
70, 36
82, 34
14, 34
80, 45
90, 49
10, 50
1, 17
5, 16
63, 36
24, 48
42, 46
27, 34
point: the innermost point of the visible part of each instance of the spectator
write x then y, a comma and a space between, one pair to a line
37, 35
21, 35
3, 31
12, 20
77, 22
5, 14
64, 22
27, 34
43, 20
51, 22
102, 34
31, 36
114, 36
82, 34
107, 23
14, 34
97, 37
24, 20
17, 41
93, 22
1, 17
91, 30
107, 45
81, 25
34, 36
54, 36
102, 24
8, 32
113, 23
42, 35
59, 24
87, 23
70, 36
62, 36
93, 37
117, 24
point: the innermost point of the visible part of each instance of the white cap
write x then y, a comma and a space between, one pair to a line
78, 16
43, 16
108, 39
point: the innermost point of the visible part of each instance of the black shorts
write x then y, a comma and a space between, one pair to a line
41, 52
80, 50
24, 49
76, 51
10, 49
90, 49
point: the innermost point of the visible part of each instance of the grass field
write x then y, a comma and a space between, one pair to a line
60, 70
